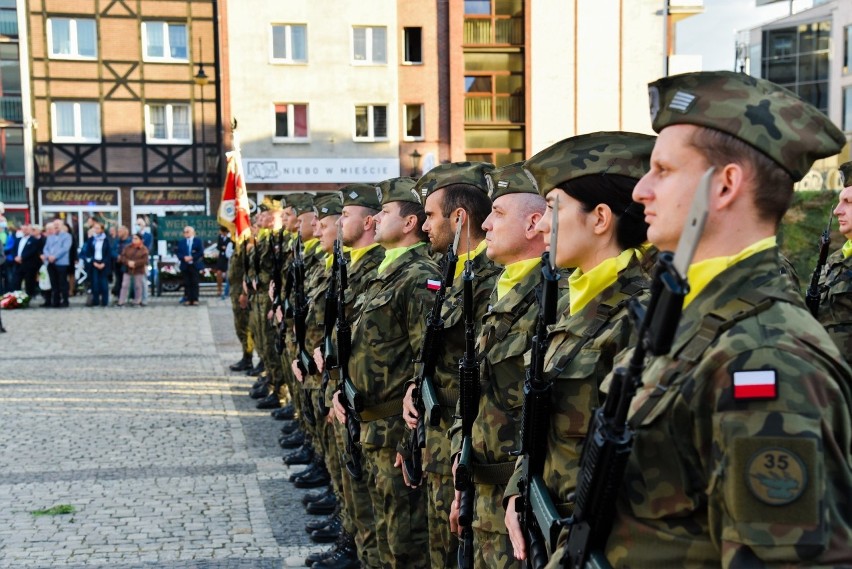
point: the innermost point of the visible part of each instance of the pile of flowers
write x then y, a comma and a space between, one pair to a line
15, 299
169, 270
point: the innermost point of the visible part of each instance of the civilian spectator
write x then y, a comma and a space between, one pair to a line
28, 260
191, 255
122, 240
10, 247
99, 248
135, 258
57, 249
222, 260
72, 260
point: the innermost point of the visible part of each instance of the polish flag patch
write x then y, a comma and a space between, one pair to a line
432, 284
755, 384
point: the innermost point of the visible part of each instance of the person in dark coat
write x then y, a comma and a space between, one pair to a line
28, 259
99, 251
191, 255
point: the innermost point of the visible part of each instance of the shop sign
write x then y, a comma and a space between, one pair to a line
170, 227
91, 198
319, 170
169, 197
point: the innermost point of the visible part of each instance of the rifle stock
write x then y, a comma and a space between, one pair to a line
812, 296
307, 365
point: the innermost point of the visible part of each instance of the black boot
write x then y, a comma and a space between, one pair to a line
286, 413
260, 392
256, 370
319, 477
303, 455
329, 533
314, 496
242, 365
342, 540
269, 402
259, 381
346, 557
323, 507
309, 471
290, 427
294, 440
314, 525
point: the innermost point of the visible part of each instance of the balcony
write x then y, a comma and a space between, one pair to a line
11, 110
501, 31
13, 189
8, 23
499, 109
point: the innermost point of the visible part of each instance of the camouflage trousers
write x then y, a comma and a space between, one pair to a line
357, 512
241, 327
256, 326
443, 545
400, 512
492, 550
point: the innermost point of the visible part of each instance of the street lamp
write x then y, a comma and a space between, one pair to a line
415, 163
42, 158
201, 79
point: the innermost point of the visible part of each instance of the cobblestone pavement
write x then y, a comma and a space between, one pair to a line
130, 416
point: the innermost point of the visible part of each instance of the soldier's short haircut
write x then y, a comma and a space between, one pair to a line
411, 208
530, 203
773, 186
471, 199
616, 192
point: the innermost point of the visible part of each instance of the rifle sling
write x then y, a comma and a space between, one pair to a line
382, 411
495, 474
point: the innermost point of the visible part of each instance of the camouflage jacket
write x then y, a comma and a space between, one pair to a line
835, 308
581, 352
317, 280
436, 455
236, 272
265, 260
388, 330
723, 474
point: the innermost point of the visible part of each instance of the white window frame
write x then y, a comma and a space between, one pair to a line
78, 123
166, 58
170, 125
368, 40
405, 122
72, 27
291, 124
371, 137
288, 44
405, 60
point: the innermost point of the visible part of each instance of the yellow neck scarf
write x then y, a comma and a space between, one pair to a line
514, 273
310, 243
262, 233
583, 287
357, 254
700, 274
392, 255
329, 260
473, 254
847, 249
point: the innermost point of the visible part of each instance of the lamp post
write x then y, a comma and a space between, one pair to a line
415, 163
201, 79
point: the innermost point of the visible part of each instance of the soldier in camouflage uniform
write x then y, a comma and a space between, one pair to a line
358, 231
743, 431
387, 333
835, 310
450, 191
507, 330
601, 232
239, 306
261, 388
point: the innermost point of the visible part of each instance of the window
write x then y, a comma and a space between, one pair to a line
369, 45
371, 122
413, 45
847, 109
413, 120
291, 122
10, 70
12, 147
168, 124
76, 122
72, 38
163, 41
798, 58
289, 43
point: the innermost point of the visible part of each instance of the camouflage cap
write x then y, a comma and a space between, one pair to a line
468, 173
327, 204
762, 114
397, 190
845, 174
271, 203
300, 202
360, 194
509, 179
624, 153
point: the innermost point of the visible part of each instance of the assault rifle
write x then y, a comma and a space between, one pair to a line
307, 365
277, 267
424, 396
536, 512
329, 354
347, 395
469, 392
610, 438
812, 295
246, 279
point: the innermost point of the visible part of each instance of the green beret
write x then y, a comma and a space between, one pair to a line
624, 153
509, 179
845, 174
397, 190
327, 204
760, 113
300, 202
360, 194
468, 173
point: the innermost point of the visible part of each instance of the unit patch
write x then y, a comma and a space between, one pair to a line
776, 476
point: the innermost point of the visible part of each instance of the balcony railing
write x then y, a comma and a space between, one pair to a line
11, 110
502, 109
504, 31
8, 23
12, 189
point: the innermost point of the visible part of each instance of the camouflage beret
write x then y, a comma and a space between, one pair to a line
845, 174
300, 202
271, 203
509, 179
327, 204
360, 194
397, 190
624, 153
469, 173
762, 114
